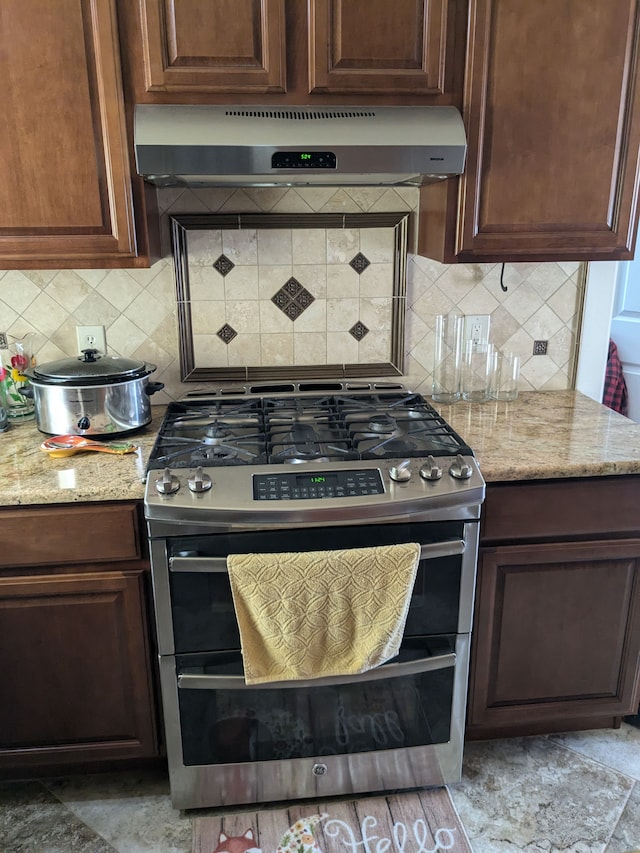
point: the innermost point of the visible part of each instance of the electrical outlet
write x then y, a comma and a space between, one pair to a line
91, 337
476, 328
4, 343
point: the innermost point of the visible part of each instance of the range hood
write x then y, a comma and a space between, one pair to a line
297, 146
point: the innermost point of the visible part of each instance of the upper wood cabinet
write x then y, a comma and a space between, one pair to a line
551, 107
377, 47
287, 51
227, 45
66, 191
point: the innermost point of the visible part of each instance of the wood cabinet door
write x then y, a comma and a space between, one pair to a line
378, 47
556, 635
552, 111
74, 668
65, 191
222, 46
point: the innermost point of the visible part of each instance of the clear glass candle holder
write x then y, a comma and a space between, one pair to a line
447, 358
477, 361
505, 373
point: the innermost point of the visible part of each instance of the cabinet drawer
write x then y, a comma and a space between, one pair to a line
91, 533
557, 509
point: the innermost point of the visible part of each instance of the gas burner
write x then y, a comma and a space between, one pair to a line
304, 442
298, 428
382, 423
216, 433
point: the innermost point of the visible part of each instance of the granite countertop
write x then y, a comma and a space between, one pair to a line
546, 434
28, 475
541, 435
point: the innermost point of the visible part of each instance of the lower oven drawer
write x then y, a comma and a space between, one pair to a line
202, 612
404, 703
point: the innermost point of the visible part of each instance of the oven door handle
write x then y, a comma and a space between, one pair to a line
448, 548
191, 681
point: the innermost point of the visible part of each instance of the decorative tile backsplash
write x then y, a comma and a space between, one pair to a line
262, 295
139, 307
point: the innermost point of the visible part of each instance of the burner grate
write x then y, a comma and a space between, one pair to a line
301, 428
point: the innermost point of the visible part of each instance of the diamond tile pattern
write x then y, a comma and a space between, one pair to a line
227, 333
292, 298
223, 265
138, 307
359, 263
358, 331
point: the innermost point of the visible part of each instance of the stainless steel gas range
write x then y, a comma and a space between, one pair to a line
294, 467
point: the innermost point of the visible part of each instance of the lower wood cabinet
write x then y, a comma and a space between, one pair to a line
75, 657
556, 640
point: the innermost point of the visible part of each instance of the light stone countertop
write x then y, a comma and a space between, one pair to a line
542, 435
28, 475
546, 434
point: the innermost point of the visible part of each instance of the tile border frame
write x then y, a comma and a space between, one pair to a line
181, 224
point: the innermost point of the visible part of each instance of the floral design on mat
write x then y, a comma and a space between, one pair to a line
299, 838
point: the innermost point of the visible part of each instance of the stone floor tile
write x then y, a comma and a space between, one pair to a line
528, 795
33, 821
626, 835
132, 811
618, 748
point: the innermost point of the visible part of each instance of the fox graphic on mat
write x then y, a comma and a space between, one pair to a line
299, 838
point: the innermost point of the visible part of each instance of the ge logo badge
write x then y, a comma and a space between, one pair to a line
319, 769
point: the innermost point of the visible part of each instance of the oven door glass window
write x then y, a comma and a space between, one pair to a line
223, 725
202, 605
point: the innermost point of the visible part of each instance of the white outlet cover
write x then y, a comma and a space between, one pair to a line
91, 337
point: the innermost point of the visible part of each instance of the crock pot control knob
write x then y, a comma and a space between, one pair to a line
200, 481
401, 473
168, 484
84, 423
460, 469
430, 470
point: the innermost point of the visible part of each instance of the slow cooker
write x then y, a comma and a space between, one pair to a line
92, 394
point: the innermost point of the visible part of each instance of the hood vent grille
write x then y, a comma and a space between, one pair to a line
300, 115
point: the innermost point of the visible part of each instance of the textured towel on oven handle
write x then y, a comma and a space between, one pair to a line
321, 613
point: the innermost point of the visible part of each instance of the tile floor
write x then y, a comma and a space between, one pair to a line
575, 793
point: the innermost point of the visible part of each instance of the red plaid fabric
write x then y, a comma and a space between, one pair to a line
615, 388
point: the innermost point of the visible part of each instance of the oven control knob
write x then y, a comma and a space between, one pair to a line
168, 484
401, 473
200, 481
460, 469
430, 470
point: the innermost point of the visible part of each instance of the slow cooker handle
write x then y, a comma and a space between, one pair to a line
26, 391
152, 387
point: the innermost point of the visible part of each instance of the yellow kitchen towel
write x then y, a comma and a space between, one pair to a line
320, 613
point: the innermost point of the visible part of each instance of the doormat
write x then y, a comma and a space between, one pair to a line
410, 822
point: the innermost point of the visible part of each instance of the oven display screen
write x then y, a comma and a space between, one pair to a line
317, 480
333, 484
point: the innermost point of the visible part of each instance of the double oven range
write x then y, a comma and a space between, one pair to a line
304, 467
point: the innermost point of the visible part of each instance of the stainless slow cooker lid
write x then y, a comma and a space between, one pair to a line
90, 368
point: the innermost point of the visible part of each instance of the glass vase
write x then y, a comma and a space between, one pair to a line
18, 357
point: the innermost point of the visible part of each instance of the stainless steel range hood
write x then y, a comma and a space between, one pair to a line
297, 146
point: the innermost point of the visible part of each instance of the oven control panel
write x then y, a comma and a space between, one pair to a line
312, 486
